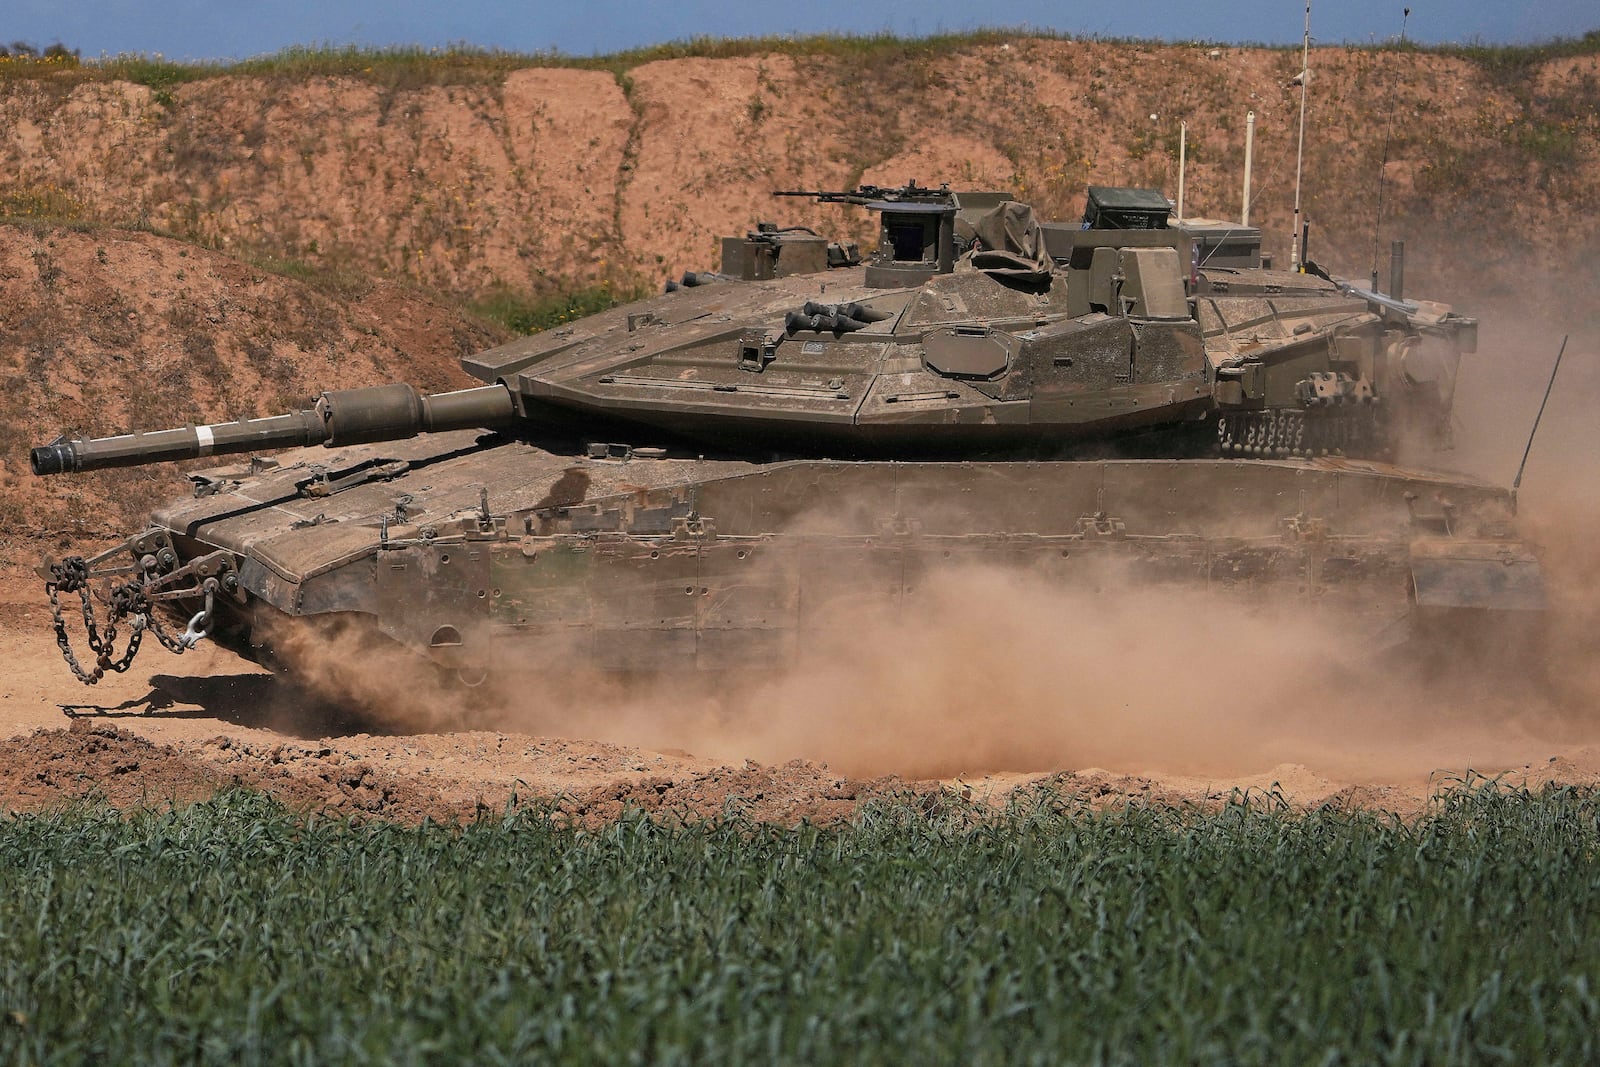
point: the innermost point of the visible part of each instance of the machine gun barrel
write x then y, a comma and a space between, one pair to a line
340, 417
874, 194
825, 197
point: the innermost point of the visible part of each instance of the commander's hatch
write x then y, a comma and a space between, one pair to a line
916, 240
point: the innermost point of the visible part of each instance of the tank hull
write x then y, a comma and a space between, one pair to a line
484, 553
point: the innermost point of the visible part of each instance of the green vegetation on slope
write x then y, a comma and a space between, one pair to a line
402, 67
1513, 64
521, 313
236, 932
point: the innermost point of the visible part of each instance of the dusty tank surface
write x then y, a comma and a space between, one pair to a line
703, 479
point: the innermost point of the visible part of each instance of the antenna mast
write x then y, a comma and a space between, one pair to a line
1383, 168
1249, 146
1296, 251
1183, 156
1517, 484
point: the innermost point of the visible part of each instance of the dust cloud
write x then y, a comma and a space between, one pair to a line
988, 671
342, 669
1502, 386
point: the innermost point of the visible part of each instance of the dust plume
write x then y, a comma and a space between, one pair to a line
348, 668
989, 671
1497, 402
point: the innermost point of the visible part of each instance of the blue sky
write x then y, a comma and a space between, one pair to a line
236, 29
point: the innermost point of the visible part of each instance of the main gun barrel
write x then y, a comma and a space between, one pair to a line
340, 417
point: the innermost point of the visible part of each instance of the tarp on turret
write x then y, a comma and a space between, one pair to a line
1010, 244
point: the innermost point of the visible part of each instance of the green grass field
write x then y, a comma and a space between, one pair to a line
235, 931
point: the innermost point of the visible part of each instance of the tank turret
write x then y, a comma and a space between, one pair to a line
1038, 339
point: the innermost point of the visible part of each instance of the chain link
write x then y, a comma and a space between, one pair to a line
125, 601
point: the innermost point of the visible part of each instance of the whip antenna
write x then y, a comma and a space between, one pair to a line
1524, 464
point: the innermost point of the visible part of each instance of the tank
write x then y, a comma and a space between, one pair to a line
698, 481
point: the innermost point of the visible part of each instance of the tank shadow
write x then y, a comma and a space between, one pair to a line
151, 703
253, 701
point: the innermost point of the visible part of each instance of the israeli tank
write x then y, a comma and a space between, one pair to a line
696, 481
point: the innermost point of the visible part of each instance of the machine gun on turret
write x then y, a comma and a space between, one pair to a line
917, 235
866, 195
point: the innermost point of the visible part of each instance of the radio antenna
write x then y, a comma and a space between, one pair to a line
1517, 484
1297, 239
1383, 168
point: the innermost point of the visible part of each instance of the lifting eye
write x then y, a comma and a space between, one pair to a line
445, 637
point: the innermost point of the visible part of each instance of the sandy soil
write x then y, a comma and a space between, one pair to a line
177, 729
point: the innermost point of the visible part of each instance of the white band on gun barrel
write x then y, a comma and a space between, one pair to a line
205, 440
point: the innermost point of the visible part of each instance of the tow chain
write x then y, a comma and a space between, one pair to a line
128, 600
